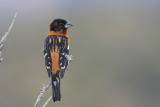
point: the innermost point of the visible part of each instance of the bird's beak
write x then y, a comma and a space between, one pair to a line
68, 24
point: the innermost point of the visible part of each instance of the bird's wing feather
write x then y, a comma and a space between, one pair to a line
47, 56
63, 52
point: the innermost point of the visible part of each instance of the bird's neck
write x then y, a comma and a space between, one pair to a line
62, 33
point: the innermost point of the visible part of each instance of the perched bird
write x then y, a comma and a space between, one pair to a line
56, 54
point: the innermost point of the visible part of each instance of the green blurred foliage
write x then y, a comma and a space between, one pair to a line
115, 44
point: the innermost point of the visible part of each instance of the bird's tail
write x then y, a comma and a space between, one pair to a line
56, 87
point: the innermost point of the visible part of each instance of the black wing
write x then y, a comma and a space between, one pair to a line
47, 56
63, 52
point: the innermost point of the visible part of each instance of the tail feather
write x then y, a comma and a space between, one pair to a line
56, 87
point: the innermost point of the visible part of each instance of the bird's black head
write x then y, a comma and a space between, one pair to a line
59, 24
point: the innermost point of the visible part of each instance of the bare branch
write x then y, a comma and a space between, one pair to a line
47, 101
41, 94
6, 34
69, 57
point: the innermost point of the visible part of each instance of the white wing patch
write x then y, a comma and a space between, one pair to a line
57, 79
45, 54
55, 83
63, 67
47, 67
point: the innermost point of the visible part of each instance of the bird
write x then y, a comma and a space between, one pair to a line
56, 54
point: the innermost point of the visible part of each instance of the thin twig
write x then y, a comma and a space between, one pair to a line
47, 101
41, 94
70, 58
6, 34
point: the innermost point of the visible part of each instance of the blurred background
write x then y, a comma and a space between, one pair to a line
115, 44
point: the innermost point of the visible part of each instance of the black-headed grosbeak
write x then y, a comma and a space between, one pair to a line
56, 53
